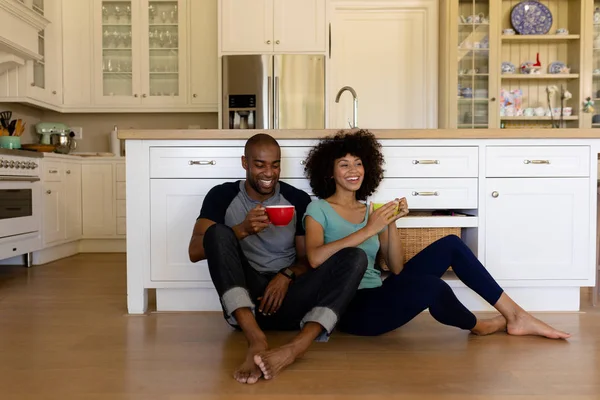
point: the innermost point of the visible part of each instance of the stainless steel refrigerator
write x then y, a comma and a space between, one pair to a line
273, 91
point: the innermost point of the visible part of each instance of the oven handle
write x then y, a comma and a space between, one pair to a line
19, 179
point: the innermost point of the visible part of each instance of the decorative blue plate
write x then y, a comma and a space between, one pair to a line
531, 18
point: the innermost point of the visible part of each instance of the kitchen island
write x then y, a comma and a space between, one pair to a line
526, 198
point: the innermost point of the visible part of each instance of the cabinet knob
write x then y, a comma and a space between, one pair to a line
135, 95
32, 83
302, 162
277, 42
493, 99
68, 172
495, 194
268, 42
54, 92
144, 95
48, 191
194, 95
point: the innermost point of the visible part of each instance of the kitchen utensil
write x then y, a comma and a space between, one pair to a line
19, 128
11, 127
5, 116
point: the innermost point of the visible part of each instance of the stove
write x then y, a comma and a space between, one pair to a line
20, 203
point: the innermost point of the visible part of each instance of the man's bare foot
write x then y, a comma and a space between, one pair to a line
526, 324
249, 372
273, 361
489, 326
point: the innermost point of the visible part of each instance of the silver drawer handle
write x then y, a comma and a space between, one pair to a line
536, 161
425, 194
302, 162
53, 171
202, 162
425, 162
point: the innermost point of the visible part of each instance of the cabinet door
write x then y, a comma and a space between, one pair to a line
174, 206
247, 26
54, 212
299, 26
537, 228
403, 92
98, 200
203, 57
72, 186
164, 52
117, 63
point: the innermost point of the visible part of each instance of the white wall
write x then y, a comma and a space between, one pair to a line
96, 127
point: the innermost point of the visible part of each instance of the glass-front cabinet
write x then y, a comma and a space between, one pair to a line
468, 100
473, 64
141, 52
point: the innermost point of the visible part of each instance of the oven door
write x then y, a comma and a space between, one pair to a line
19, 206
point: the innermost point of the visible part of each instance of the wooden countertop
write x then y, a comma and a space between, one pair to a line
237, 134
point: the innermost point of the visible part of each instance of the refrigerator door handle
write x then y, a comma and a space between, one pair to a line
270, 106
276, 103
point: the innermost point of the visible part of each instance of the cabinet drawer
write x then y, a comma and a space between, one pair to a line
120, 173
196, 162
431, 162
53, 171
217, 162
537, 161
430, 193
121, 190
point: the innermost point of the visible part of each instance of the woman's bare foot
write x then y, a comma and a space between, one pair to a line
526, 324
249, 372
273, 361
489, 326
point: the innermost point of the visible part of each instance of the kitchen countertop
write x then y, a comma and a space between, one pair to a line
237, 134
20, 153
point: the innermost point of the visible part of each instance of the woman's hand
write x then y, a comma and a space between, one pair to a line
402, 207
382, 217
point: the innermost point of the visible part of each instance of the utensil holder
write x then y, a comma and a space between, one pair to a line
10, 142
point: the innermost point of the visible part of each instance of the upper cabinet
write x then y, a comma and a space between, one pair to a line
141, 52
147, 55
273, 26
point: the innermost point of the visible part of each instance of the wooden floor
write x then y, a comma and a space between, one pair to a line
64, 334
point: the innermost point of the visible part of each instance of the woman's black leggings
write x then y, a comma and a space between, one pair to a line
419, 286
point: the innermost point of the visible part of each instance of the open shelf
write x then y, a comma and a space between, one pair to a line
540, 76
539, 37
523, 118
437, 222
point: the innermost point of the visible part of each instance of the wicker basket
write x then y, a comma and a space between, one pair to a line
416, 239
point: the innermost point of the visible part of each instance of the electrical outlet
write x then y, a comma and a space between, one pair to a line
78, 131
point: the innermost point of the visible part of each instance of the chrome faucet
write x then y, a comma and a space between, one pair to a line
355, 101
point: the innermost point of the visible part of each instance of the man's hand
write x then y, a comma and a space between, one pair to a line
256, 221
274, 294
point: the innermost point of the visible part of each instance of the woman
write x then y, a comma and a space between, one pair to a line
343, 171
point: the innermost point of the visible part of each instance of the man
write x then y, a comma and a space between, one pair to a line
252, 262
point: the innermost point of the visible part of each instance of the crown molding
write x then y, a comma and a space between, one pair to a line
21, 11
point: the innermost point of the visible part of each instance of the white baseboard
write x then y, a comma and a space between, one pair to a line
103, 246
54, 253
553, 299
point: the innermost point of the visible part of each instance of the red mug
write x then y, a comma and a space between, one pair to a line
280, 215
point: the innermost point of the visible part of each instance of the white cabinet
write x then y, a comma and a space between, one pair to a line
203, 55
401, 93
38, 81
98, 200
537, 228
266, 26
141, 52
103, 205
62, 202
174, 208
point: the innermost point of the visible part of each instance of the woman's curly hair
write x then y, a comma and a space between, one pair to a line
321, 158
